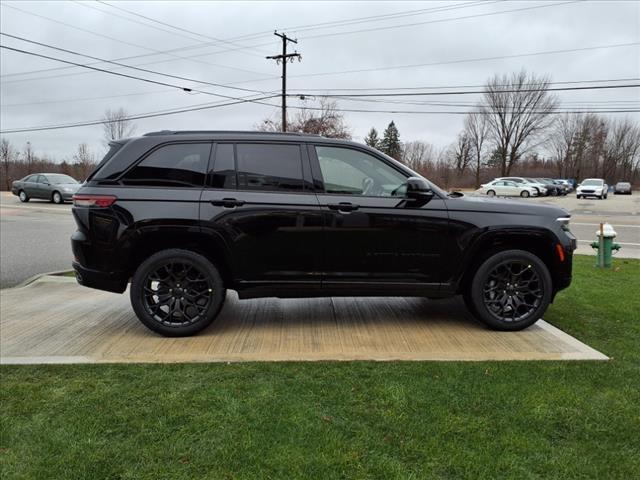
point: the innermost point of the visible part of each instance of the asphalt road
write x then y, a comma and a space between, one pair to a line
34, 237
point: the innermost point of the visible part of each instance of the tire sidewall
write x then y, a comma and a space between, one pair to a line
22, 195
477, 285
157, 260
56, 198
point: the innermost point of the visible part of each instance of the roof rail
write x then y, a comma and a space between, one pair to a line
243, 132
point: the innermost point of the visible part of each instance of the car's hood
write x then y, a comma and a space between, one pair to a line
523, 207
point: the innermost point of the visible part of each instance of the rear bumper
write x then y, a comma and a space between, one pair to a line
108, 281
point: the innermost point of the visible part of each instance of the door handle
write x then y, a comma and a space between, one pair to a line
343, 206
228, 203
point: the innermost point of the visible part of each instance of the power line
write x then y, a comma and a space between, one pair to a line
467, 60
470, 92
125, 65
441, 112
241, 47
378, 29
433, 87
141, 116
155, 52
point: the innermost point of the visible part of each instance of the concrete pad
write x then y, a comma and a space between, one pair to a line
54, 320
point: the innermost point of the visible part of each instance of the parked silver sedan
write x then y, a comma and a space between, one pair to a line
54, 187
622, 187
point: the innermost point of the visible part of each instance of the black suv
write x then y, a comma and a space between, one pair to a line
186, 215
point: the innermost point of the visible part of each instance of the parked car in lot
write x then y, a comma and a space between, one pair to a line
566, 183
54, 187
540, 187
552, 188
592, 187
622, 187
505, 188
185, 216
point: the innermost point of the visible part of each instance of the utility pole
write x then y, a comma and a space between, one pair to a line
284, 58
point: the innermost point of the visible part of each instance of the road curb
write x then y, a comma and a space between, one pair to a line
38, 276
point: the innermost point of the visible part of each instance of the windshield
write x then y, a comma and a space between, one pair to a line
59, 179
592, 182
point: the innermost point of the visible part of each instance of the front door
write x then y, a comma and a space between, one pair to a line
260, 207
373, 235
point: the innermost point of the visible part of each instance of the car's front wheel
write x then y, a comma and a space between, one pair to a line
56, 198
22, 195
177, 293
510, 290
524, 194
491, 193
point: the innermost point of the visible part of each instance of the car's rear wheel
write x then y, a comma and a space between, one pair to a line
22, 195
177, 293
491, 193
56, 198
524, 193
510, 291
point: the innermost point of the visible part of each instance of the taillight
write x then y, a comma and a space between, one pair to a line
97, 201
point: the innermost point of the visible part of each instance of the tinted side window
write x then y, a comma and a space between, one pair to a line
350, 172
223, 173
41, 179
177, 165
269, 167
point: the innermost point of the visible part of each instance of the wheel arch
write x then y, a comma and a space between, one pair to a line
539, 242
211, 247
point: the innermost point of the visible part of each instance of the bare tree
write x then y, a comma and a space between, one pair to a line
7, 158
418, 155
461, 153
29, 156
621, 156
116, 125
518, 109
84, 161
476, 127
324, 120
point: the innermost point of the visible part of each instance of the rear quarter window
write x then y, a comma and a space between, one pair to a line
175, 165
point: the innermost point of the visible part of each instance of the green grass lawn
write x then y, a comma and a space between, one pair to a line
346, 420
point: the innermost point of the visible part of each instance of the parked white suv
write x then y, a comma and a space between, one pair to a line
592, 187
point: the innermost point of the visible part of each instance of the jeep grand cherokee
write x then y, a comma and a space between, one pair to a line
185, 215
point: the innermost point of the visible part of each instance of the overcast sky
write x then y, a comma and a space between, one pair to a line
226, 43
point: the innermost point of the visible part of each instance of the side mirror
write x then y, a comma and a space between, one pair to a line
419, 190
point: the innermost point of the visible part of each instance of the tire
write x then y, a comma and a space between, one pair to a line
524, 194
606, 195
174, 320
22, 195
578, 197
57, 198
554, 193
489, 306
491, 193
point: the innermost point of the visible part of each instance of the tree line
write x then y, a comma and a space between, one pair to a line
515, 129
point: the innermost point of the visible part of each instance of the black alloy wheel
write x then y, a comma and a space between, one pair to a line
510, 290
177, 292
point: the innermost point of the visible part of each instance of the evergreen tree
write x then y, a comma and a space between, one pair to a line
372, 138
391, 142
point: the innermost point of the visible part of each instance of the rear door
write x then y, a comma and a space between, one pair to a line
259, 205
373, 237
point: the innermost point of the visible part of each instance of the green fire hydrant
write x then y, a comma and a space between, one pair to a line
605, 245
